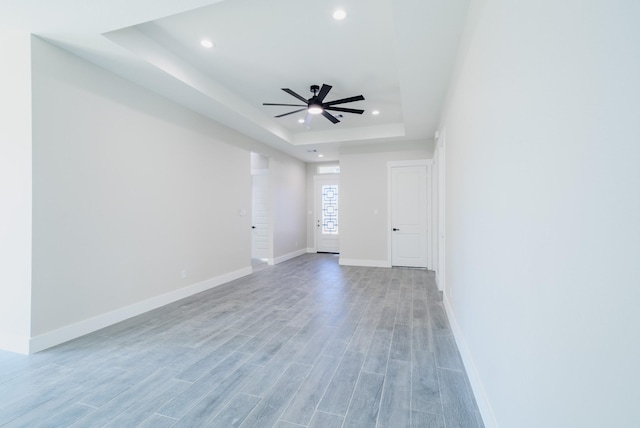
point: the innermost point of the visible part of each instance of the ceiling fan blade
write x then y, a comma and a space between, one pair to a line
329, 116
324, 91
287, 105
345, 100
291, 112
290, 92
346, 110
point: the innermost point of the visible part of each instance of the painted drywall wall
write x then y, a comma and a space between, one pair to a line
287, 200
259, 162
287, 180
15, 193
132, 191
129, 191
542, 210
287, 196
363, 200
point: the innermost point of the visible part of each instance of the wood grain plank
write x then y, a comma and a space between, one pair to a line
268, 411
426, 420
401, 343
395, 408
326, 420
304, 403
425, 389
365, 403
447, 355
338, 393
236, 411
458, 404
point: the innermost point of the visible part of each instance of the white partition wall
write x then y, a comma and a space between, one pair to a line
543, 209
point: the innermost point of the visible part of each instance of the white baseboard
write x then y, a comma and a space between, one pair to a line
364, 263
13, 343
311, 250
289, 256
482, 400
73, 331
438, 281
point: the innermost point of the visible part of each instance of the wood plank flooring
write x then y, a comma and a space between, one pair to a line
306, 343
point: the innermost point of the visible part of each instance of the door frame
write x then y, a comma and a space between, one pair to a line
253, 170
428, 163
316, 179
441, 241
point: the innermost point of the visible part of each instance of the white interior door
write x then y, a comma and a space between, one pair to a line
409, 235
260, 216
327, 191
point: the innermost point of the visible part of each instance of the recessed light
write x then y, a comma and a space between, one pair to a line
320, 156
339, 14
301, 120
375, 112
206, 43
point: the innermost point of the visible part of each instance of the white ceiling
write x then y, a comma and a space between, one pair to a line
399, 54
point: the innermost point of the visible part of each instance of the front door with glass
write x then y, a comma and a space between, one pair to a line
327, 225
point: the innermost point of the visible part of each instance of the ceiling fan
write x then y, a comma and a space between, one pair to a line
316, 104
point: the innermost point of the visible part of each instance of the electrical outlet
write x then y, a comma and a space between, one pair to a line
183, 274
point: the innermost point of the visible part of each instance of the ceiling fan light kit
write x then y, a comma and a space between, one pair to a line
315, 109
316, 105
339, 14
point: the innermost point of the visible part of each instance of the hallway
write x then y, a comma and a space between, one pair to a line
306, 343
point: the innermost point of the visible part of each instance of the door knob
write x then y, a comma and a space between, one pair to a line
253, 227
395, 230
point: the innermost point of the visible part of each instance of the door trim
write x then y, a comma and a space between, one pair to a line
441, 237
428, 163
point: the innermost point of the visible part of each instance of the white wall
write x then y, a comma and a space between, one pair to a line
259, 162
287, 201
543, 209
287, 205
130, 190
363, 182
287, 180
15, 193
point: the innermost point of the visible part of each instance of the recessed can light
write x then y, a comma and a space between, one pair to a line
339, 14
375, 112
320, 156
301, 120
206, 43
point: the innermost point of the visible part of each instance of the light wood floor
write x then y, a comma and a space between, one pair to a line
306, 343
